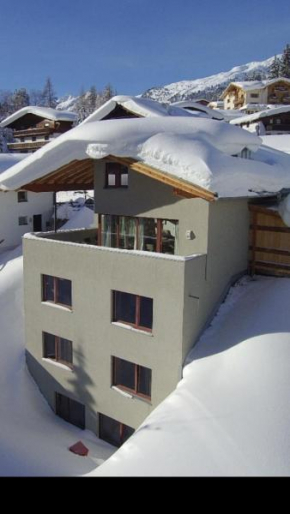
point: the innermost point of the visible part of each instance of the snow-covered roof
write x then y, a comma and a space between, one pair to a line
195, 106
230, 413
281, 142
253, 85
43, 112
256, 116
10, 159
195, 150
139, 106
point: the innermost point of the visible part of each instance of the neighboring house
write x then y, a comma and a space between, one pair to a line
21, 211
268, 122
240, 94
120, 107
33, 127
111, 312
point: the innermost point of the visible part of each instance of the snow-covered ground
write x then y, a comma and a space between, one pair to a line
33, 441
230, 414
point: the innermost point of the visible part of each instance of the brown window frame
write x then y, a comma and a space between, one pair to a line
134, 391
118, 170
57, 342
55, 290
137, 222
122, 429
135, 325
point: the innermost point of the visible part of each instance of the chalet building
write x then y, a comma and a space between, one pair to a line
266, 92
112, 312
269, 122
21, 211
33, 127
120, 107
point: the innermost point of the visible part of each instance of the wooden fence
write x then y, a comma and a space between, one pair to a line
269, 245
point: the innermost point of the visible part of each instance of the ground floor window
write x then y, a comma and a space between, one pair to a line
147, 234
113, 431
132, 378
133, 310
70, 410
57, 349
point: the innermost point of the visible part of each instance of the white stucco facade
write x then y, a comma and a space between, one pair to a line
11, 210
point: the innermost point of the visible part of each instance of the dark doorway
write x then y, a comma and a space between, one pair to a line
70, 410
37, 223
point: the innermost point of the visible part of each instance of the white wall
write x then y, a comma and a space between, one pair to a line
10, 210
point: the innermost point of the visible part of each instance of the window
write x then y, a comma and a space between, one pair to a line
246, 153
113, 431
22, 196
254, 95
70, 410
147, 234
133, 310
22, 220
56, 290
57, 349
116, 175
132, 378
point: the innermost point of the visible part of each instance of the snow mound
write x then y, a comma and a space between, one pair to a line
229, 416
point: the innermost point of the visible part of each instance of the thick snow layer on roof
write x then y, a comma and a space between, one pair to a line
9, 159
140, 106
251, 85
195, 106
261, 114
197, 150
229, 416
43, 112
281, 142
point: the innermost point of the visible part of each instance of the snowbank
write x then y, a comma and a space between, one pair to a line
229, 416
33, 441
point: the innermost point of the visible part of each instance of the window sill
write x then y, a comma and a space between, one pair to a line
57, 364
58, 306
128, 327
130, 396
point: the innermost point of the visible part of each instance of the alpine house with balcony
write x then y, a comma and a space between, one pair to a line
33, 127
112, 311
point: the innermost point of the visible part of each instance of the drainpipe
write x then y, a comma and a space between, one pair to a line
55, 211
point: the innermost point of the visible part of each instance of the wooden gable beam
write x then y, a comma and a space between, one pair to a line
177, 183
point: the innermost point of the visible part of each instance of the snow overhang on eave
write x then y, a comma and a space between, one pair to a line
80, 175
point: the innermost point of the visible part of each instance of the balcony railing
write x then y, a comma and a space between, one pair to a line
31, 145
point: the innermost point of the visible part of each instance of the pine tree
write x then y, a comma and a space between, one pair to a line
285, 62
275, 68
36, 97
82, 106
20, 99
108, 93
92, 99
49, 98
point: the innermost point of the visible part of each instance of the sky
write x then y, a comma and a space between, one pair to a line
133, 44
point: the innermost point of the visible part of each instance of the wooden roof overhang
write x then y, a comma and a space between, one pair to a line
80, 175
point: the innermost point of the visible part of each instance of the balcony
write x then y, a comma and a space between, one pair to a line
31, 132
30, 146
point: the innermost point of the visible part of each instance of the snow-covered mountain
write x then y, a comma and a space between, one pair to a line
67, 103
209, 87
